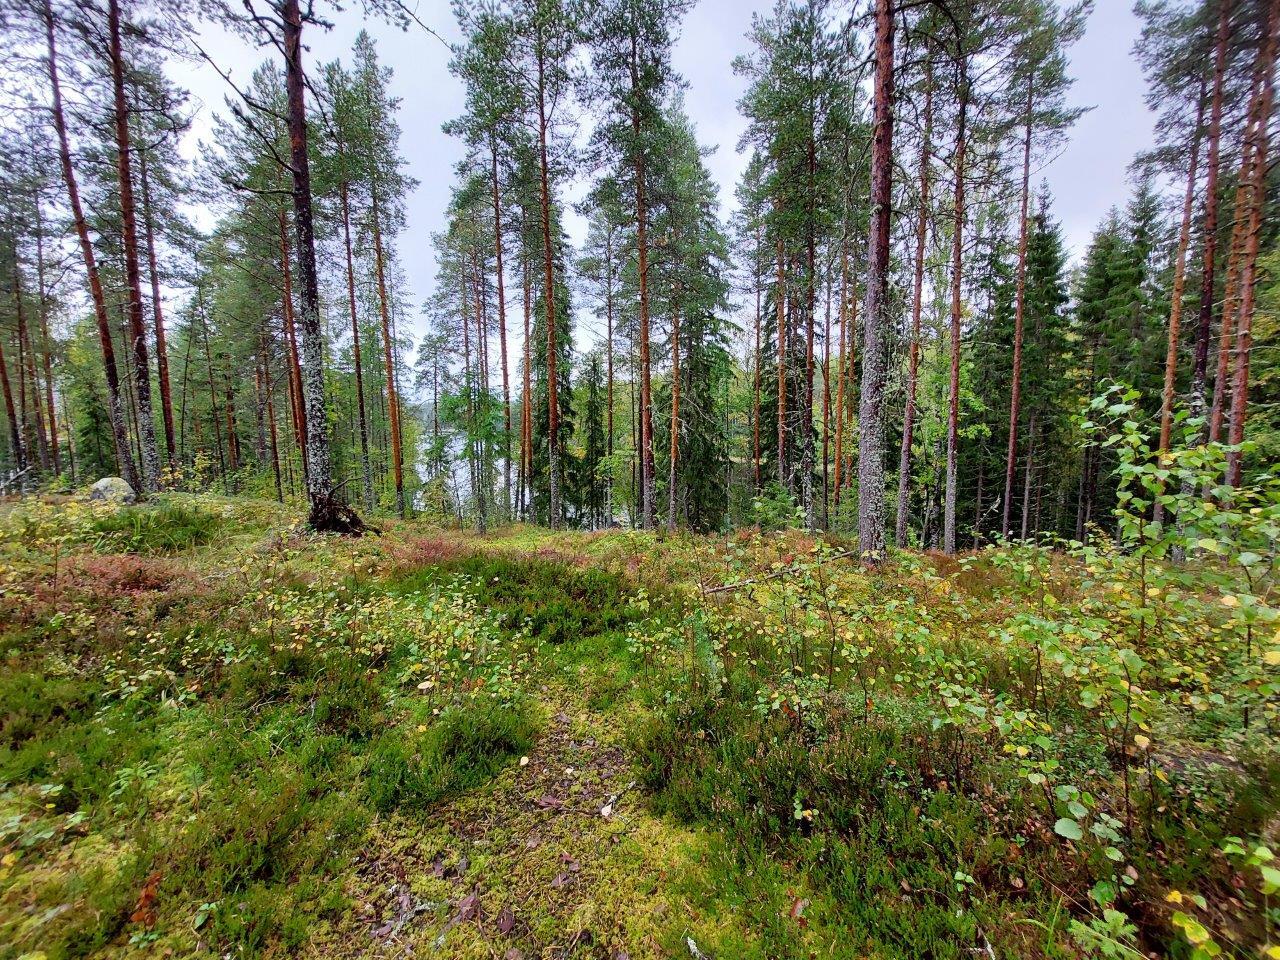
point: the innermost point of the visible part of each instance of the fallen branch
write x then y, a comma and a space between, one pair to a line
792, 568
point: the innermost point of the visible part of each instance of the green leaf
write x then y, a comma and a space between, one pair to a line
1066, 827
1270, 880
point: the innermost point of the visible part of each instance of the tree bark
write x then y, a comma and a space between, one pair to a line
1020, 300
957, 267
917, 301
15, 433
811, 307
27, 368
648, 478
502, 330
1235, 254
1179, 282
42, 309
608, 347
780, 295
366, 467
157, 314
264, 348
326, 513
297, 405
115, 408
755, 385
1248, 272
871, 513
826, 409
526, 408
133, 275
388, 354
1026, 479
842, 362
549, 299
1200, 366
675, 420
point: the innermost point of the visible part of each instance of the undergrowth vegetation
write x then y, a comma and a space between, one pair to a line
221, 736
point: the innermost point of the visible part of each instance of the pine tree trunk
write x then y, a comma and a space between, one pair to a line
366, 467
1179, 283
811, 305
1235, 254
1020, 300
216, 416
917, 301
233, 438
755, 385
1248, 272
15, 433
388, 357
876, 314
675, 420
157, 313
1200, 367
115, 408
977, 507
133, 275
27, 369
549, 295
826, 410
1026, 479
1230, 294
326, 512
502, 331
526, 408
648, 472
779, 294
842, 363
42, 307
608, 348
297, 405
271, 413
957, 267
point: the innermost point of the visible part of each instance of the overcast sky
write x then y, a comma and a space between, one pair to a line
1089, 175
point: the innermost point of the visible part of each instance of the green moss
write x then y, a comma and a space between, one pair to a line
169, 527
464, 749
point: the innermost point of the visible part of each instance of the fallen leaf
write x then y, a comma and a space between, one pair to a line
469, 909
548, 802
573, 865
506, 921
561, 880
144, 911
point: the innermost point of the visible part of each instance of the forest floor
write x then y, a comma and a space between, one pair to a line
221, 736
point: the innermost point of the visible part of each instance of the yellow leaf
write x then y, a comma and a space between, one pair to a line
1229, 601
1141, 741
1173, 896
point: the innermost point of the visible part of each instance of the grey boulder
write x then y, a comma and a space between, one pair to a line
112, 490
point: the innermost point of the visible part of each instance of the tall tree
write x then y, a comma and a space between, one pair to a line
1041, 70
876, 309
115, 404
